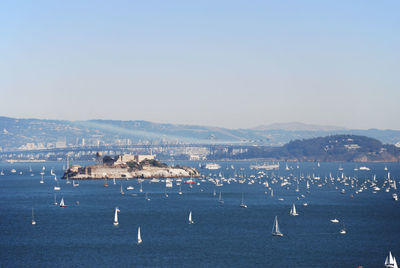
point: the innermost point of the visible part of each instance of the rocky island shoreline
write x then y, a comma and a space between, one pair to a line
129, 167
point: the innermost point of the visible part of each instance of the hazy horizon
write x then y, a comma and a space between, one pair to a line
282, 125
232, 64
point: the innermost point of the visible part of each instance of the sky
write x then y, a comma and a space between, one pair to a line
234, 64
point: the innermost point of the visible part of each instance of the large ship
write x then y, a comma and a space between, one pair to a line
212, 166
265, 166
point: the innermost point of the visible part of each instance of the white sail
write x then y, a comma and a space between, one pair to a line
275, 228
139, 237
116, 217
62, 202
390, 261
293, 211
190, 218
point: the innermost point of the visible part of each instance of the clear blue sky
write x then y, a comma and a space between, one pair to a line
234, 64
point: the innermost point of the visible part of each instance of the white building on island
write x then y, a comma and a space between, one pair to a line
121, 159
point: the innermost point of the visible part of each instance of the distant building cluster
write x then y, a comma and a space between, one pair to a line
121, 159
352, 146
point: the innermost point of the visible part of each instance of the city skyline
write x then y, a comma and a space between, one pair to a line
231, 64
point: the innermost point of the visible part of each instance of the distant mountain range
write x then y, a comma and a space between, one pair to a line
40, 134
297, 126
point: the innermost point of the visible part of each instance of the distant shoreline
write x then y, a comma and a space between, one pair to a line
206, 161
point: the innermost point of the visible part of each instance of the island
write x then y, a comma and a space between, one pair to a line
340, 148
128, 166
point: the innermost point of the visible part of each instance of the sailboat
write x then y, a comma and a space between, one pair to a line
214, 193
390, 261
122, 191
165, 192
141, 187
42, 181
57, 188
343, 230
62, 205
139, 237
55, 200
275, 228
180, 190
190, 218
242, 204
114, 181
116, 216
33, 218
293, 211
147, 197
105, 183
220, 198
75, 184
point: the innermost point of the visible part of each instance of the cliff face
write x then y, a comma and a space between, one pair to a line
125, 172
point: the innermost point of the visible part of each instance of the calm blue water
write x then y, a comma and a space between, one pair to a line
224, 235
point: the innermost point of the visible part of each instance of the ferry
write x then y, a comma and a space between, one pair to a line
364, 168
212, 166
266, 166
